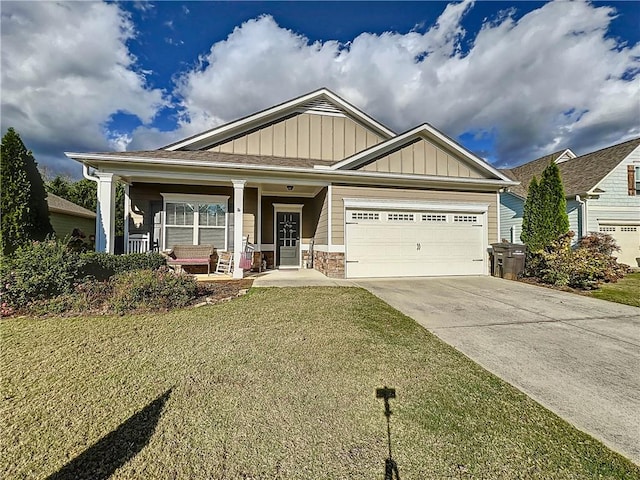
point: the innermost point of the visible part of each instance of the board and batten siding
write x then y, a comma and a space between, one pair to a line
304, 135
423, 158
339, 193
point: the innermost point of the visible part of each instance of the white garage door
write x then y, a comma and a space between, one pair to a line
628, 239
388, 243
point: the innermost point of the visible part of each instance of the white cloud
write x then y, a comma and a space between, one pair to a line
65, 70
518, 81
548, 80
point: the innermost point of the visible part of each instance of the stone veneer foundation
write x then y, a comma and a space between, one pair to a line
330, 264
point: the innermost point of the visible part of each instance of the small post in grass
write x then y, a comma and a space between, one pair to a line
390, 466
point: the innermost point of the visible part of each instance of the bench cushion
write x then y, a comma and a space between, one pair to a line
189, 261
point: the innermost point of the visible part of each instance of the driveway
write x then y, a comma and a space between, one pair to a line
577, 356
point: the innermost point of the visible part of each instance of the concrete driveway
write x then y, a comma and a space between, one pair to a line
577, 356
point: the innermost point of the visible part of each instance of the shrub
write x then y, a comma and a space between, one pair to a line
38, 271
150, 289
101, 266
585, 267
41, 271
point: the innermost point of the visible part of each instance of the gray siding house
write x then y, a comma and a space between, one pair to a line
603, 195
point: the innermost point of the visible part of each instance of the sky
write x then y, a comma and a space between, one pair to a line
511, 81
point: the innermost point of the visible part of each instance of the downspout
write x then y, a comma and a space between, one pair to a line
583, 216
85, 174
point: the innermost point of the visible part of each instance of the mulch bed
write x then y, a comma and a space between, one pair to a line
219, 291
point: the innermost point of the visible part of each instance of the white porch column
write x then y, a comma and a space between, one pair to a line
106, 213
127, 214
238, 212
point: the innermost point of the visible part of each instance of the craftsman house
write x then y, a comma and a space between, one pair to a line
603, 195
312, 182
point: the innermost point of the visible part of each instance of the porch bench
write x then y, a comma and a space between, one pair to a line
191, 255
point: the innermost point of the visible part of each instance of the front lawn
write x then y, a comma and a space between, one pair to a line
625, 291
276, 384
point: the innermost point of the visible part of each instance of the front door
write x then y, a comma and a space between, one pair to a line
288, 236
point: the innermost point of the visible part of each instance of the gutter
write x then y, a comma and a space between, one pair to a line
583, 215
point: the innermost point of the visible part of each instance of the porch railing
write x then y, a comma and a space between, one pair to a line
138, 243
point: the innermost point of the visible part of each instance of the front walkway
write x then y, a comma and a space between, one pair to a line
304, 277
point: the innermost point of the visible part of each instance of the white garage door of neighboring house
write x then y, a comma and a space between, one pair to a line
400, 243
628, 239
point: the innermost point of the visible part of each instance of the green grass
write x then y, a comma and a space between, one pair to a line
626, 291
277, 384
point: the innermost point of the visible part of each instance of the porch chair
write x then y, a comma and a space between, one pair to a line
225, 262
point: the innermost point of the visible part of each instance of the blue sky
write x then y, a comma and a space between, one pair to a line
510, 80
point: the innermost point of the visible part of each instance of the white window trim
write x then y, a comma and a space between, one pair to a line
196, 200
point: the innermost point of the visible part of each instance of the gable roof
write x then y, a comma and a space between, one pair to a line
525, 173
422, 131
322, 100
60, 205
580, 174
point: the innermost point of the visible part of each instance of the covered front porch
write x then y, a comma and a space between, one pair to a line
280, 218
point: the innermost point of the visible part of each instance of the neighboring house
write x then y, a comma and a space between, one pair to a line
65, 216
603, 195
312, 180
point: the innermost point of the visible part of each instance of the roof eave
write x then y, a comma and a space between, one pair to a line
311, 172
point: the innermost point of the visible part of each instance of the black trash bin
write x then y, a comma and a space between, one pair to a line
508, 260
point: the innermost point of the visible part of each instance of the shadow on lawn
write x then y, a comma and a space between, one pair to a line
117, 448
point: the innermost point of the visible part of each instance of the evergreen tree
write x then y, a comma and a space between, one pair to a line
555, 202
545, 210
25, 213
531, 215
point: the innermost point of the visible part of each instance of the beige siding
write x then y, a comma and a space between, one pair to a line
322, 230
322, 137
423, 158
64, 224
341, 192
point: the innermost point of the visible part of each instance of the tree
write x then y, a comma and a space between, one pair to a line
84, 193
555, 201
545, 216
25, 213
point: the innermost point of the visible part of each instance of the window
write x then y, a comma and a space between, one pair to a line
633, 180
400, 217
196, 221
465, 218
365, 216
433, 217
607, 229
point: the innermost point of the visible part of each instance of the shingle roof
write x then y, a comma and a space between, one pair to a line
60, 205
525, 173
216, 157
580, 174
